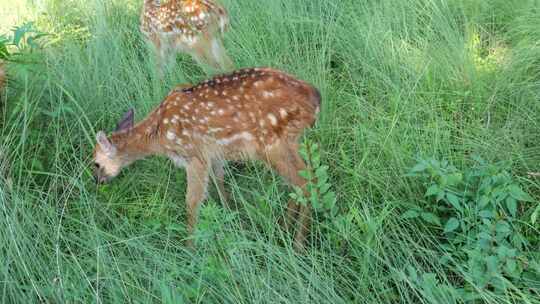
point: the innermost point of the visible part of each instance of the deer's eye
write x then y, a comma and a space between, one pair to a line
97, 165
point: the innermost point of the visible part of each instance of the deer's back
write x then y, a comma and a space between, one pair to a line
256, 106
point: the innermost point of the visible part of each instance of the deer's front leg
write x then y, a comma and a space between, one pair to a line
197, 183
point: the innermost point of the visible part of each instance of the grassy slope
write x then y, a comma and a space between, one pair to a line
399, 79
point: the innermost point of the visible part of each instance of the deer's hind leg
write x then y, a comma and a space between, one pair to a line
218, 167
285, 159
197, 172
211, 51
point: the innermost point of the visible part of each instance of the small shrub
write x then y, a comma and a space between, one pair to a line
318, 187
477, 212
336, 226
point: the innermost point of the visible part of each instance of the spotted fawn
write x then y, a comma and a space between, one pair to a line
195, 27
257, 114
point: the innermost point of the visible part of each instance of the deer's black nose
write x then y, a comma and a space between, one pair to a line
100, 180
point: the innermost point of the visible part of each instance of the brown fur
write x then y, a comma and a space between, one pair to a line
250, 114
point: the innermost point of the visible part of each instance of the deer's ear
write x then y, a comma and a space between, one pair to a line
127, 121
105, 143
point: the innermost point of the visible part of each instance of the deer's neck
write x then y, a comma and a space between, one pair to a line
138, 142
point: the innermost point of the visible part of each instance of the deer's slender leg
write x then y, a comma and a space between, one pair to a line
304, 213
167, 58
284, 158
210, 51
157, 48
293, 209
197, 172
219, 53
218, 166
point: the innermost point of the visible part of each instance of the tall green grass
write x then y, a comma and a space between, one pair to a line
399, 79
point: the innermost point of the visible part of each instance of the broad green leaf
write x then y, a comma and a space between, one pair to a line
410, 214
321, 174
502, 227
431, 218
324, 188
305, 174
432, 190
329, 200
420, 167
511, 267
486, 214
454, 201
455, 178
483, 202
321, 171
492, 263
451, 225
485, 236
520, 195
502, 252
511, 204
314, 198
315, 159
440, 196
18, 35
499, 284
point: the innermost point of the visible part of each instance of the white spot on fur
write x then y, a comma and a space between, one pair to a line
283, 113
241, 136
215, 130
267, 94
170, 135
273, 119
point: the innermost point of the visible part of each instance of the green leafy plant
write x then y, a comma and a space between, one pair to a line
318, 188
22, 40
337, 227
477, 210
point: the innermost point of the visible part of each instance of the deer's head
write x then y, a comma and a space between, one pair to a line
108, 160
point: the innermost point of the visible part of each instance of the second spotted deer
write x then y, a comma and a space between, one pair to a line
191, 26
250, 114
